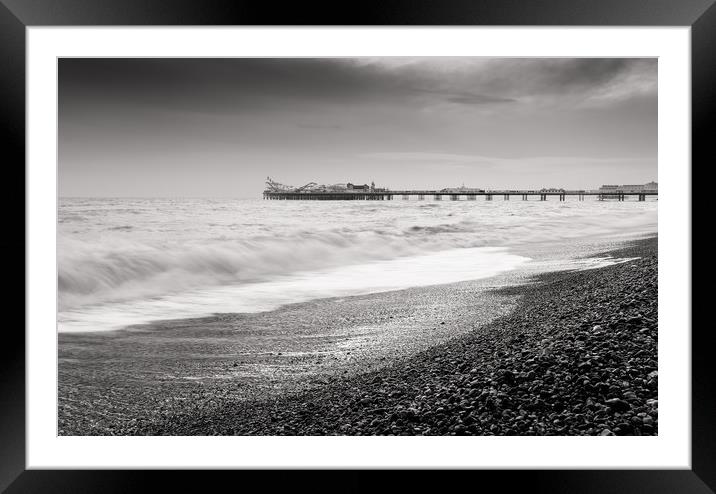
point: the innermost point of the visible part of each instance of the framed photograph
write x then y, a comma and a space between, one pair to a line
453, 237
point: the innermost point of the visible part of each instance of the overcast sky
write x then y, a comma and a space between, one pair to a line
218, 127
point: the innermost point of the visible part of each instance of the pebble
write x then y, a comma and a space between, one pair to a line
571, 359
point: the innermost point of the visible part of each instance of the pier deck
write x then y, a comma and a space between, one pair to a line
388, 195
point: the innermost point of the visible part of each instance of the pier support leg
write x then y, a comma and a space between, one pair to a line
543, 197
454, 197
471, 197
438, 197
507, 197
421, 197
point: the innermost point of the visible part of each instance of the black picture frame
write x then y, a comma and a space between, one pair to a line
17, 15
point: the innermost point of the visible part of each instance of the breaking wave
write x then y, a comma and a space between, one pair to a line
118, 270
109, 256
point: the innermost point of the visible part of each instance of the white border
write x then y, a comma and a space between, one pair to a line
671, 449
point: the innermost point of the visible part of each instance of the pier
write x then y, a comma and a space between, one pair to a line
388, 195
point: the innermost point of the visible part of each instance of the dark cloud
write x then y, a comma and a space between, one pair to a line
227, 86
219, 126
477, 99
468, 98
219, 85
535, 77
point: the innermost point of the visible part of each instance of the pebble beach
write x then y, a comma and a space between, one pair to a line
575, 355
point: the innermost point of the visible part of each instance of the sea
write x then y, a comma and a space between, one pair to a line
130, 261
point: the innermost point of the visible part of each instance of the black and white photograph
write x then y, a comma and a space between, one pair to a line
368, 246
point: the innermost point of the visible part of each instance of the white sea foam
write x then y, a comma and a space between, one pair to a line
127, 261
371, 277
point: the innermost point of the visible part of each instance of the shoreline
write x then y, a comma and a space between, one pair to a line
529, 372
